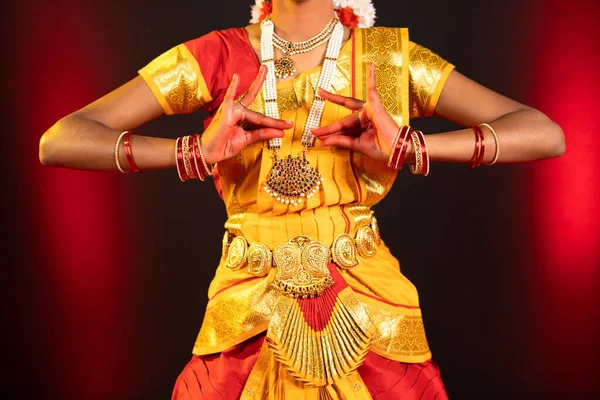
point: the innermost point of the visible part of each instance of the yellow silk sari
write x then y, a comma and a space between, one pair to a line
409, 81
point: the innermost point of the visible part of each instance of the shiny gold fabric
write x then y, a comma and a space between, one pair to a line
176, 81
428, 73
409, 80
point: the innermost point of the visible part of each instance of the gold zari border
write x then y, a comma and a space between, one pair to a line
234, 317
176, 81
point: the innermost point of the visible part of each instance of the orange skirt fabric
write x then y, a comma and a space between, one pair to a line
223, 376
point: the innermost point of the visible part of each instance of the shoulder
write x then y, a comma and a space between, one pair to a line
217, 41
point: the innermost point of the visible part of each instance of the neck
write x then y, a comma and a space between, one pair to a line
298, 20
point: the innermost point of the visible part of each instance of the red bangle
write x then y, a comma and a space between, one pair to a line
482, 150
475, 158
203, 172
399, 153
191, 152
194, 156
127, 145
183, 176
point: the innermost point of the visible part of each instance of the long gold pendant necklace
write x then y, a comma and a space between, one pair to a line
293, 179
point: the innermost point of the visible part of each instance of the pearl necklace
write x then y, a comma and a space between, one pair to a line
293, 179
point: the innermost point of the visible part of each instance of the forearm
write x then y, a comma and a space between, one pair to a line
524, 135
80, 143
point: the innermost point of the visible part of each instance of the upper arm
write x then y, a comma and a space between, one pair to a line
468, 103
125, 108
436, 88
171, 83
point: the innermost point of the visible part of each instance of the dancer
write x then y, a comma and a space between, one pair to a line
309, 122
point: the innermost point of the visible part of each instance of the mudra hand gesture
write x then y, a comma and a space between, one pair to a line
371, 130
235, 126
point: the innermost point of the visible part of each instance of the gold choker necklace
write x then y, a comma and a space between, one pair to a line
284, 67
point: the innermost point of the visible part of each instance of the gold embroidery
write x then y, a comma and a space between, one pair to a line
388, 49
233, 318
325, 356
428, 73
397, 336
383, 46
176, 81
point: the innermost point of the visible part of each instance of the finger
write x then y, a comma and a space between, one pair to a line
262, 134
343, 141
267, 122
256, 85
231, 90
372, 94
348, 122
349, 102
363, 118
352, 132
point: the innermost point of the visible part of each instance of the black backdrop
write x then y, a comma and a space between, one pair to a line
461, 236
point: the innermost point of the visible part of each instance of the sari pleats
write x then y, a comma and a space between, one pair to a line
223, 376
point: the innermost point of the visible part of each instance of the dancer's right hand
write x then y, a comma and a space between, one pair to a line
235, 127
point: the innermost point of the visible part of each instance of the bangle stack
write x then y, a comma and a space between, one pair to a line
190, 158
126, 138
479, 152
406, 133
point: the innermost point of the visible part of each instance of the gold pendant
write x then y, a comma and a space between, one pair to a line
284, 67
292, 179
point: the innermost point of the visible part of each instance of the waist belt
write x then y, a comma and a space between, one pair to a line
301, 262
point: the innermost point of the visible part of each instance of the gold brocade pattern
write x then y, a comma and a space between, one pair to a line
231, 316
428, 72
269, 379
176, 81
397, 335
383, 46
325, 356
387, 48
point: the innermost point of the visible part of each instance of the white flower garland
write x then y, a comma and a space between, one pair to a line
363, 9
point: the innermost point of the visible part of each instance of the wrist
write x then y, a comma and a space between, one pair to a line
410, 153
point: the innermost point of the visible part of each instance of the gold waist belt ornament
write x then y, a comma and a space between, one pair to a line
319, 330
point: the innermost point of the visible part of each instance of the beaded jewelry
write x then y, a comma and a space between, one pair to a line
293, 179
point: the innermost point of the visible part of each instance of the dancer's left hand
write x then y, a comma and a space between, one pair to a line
370, 130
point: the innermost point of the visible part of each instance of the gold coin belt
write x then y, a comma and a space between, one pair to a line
301, 262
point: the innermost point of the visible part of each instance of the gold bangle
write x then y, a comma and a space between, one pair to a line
418, 167
117, 145
496, 141
209, 168
185, 148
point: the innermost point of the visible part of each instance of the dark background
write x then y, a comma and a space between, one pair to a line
104, 276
